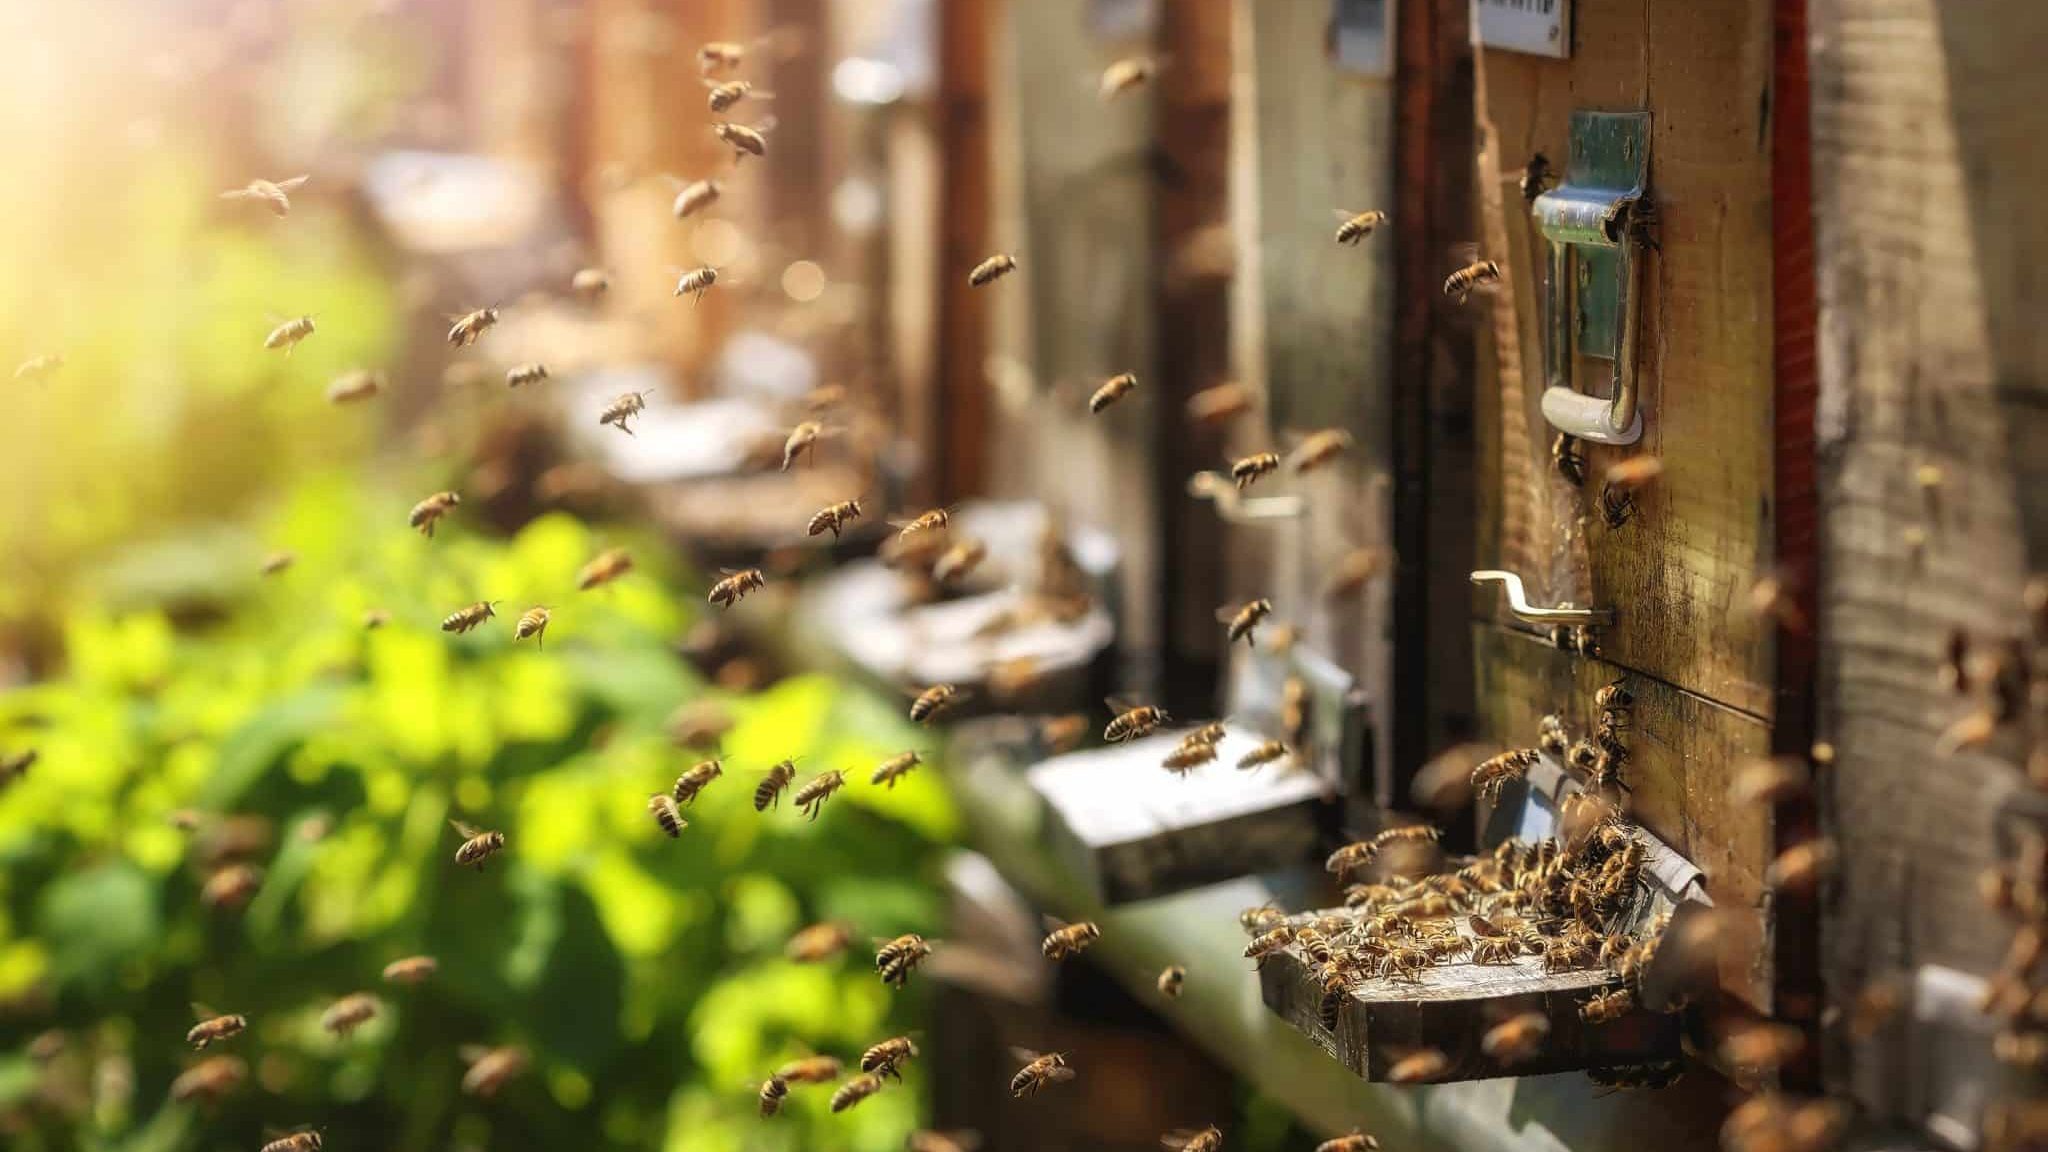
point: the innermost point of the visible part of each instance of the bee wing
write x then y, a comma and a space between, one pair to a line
1052, 923
203, 1011
1481, 926
293, 184
1121, 704
966, 1139
1227, 613
1024, 1054
471, 1053
1059, 1074
768, 124
237, 194
1342, 213
464, 830
1178, 1138
1464, 252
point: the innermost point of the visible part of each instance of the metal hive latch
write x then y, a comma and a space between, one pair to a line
1593, 222
1518, 603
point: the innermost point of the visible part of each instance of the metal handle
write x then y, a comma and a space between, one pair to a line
1236, 508
1518, 604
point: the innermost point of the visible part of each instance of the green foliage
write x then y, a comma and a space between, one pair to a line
645, 975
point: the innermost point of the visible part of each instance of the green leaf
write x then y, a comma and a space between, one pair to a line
96, 920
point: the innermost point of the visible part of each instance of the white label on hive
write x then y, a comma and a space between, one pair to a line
1538, 27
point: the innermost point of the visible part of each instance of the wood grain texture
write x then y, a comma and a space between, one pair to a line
1927, 171
962, 399
1679, 571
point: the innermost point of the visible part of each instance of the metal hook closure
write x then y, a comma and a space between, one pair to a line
1518, 603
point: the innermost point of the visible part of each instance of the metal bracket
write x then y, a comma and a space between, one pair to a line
1236, 508
1518, 604
1591, 306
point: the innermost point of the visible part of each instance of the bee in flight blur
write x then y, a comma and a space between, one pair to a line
746, 141
693, 197
288, 334
856, 1090
1123, 75
1133, 722
931, 702
895, 768
723, 96
695, 282
477, 846
818, 789
304, 1140
1247, 470
214, 1027
768, 794
992, 269
1172, 980
491, 1068
532, 622
803, 438
734, 587
695, 779
730, 55
464, 619
428, 511
1472, 277
889, 1056
607, 566
818, 943
349, 1013
959, 560
411, 969
834, 518
896, 959
1066, 941
1356, 227
620, 411
470, 326
1319, 448
773, 1089
590, 283
349, 387
1209, 1139
520, 375
1115, 389
810, 1070
666, 815
930, 521
1242, 620
277, 195
1038, 1072
38, 367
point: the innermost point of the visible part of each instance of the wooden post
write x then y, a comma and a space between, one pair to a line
964, 207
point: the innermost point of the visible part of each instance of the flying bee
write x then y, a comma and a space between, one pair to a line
1493, 775
1798, 870
1569, 459
930, 521
1131, 723
1062, 733
1473, 276
213, 1028
695, 778
470, 326
856, 1090
834, 517
932, 701
1352, 573
1242, 620
288, 334
811, 1070
693, 197
1263, 755
1268, 942
491, 1068
1551, 736
1754, 1044
1536, 178
896, 959
1188, 757
532, 622
38, 368
1038, 1072
773, 1090
231, 887
768, 793
1319, 448
818, 789
305, 1140
803, 438
925, 1140
464, 619
620, 412
959, 560
1516, 1039
695, 282
1617, 493
349, 1013
1247, 471
1607, 1006
350, 387
888, 1057
1066, 941
1357, 226
590, 283
1113, 390
1210, 734
277, 562
520, 375
666, 814
1419, 1067
722, 97
1354, 1141
746, 141
15, 765
604, 568
427, 512
1209, 1139
211, 1079
274, 195
734, 587
1172, 980
1125, 74
895, 768
477, 846
411, 969
817, 943
1219, 403
1261, 919
992, 269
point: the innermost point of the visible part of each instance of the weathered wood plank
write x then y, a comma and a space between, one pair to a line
962, 395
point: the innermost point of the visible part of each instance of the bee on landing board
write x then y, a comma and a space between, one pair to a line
1112, 390
532, 622
735, 586
214, 1027
818, 789
605, 567
288, 334
1242, 620
667, 815
1065, 941
427, 512
932, 701
1536, 178
992, 269
1132, 722
768, 793
276, 195
1569, 459
1472, 277
470, 326
1039, 1072
1357, 226
477, 845
896, 959
1247, 470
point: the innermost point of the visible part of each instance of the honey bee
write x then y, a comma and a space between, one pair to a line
1243, 620
1798, 870
932, 701
746, 141
694, 780
1123, 75
1219, 403
773, 1090
698, 724
898, 958
768, 793
1772, 781
1607, 1006
1062, 733
1357, 226
1066, 941
693, 197
1563, 953
605, 567
1496, 950
959, 560
349, 1013
721, 54
992, 269
38, 368
696, 282
1171, 980
1569, 459
811, 1070
1617, 493
464, 619
1247, 471
532, 622
1419, 1067
1263, 755
817, 943
666, 814
722, 97
924, 1140
349, 387
213, 1028
277, 562
1268, 942
1318, 449
590, 283
477, 846
621, 411
855, 1090
887, 1057
15, 765
734, 587
930, 521
305, 1140
1493, 775
1131, 723
1115, 389
834, 517
1464, 281
818, 789
520, 375
210, 1079
288, 334
470, 326
231, 887
1209, 1139
1353, 1141
803, 438
427, 512
1353, 572
1039, 1072
411, 969
1535, 178
1551, 737
491, 1069
895, 768
275, 195
1516, 1039
1753, 1044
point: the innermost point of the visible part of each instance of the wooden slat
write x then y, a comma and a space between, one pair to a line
964, 240
1927, 170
